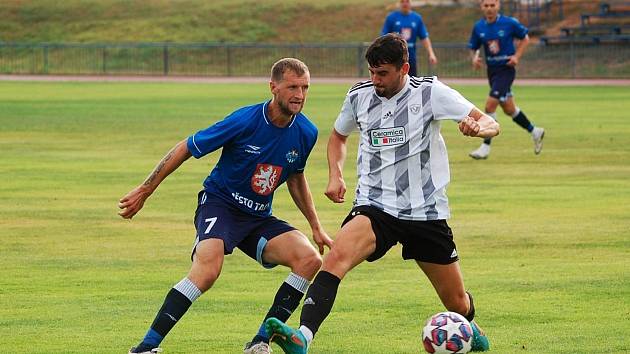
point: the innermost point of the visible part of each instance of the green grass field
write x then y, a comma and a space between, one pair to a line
544, 240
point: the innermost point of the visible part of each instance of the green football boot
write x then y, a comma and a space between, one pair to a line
290, 340
480, 341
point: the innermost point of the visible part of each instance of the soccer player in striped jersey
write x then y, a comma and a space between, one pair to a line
403, 172
263, 146
497, 34
410, 26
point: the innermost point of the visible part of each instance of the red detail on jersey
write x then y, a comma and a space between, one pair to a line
266, 178
493, 46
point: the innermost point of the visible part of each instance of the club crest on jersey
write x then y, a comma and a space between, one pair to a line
493, 46
415, 108
292, 156
265, 178
387, 136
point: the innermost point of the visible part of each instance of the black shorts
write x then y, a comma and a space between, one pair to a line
426, 241
501, 79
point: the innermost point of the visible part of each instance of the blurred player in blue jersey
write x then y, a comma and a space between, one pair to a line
409, 25
264, 145
497, 34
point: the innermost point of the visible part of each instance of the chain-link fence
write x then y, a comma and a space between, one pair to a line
570, 60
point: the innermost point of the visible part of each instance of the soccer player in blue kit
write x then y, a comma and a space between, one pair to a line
264, 145
497, 34
410, 26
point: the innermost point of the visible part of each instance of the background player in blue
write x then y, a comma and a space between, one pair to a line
263, 145
409, 25
497, 34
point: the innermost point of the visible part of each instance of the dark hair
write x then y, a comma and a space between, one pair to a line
388, 49
281, 66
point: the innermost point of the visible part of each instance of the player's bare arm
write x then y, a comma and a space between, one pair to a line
337, 152
480, 125
520, 49
303, 199
475, 56
426, 43
134, 200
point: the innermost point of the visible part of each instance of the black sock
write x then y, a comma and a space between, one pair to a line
471, 312
522, 121
286, 301
320, 298
487, 141
174, 307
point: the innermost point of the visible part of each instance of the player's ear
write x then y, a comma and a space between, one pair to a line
405, 69
272, 86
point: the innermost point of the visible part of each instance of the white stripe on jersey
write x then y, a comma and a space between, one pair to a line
402, 165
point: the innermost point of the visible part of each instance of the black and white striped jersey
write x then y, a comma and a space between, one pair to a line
402, 163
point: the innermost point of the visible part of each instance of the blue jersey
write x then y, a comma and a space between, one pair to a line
409, 27
497, 38
257, 156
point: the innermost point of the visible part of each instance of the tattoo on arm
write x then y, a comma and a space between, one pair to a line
159, 168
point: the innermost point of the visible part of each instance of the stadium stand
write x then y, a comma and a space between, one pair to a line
610, 25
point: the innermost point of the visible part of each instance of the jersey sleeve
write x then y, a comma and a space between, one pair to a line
346, 120
520, 31
474, 42
422, 29
447, 103
387, 27
215, 136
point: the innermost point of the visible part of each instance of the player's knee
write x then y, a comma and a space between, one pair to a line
312, 263
337, 261
204, 276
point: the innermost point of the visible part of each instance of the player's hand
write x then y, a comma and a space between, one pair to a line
469, 126
433, 59
513, 61
336, 190
476, 63
133, 201
322, 239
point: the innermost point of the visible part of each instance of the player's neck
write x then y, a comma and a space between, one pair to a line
277, 116
492, 19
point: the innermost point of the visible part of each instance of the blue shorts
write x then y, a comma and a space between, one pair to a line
216, 218
501, 79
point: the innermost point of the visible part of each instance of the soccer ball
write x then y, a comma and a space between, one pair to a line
447, 333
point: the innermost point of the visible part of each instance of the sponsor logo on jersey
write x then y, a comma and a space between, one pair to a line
266, 178
387, 136
253, 149
292, 156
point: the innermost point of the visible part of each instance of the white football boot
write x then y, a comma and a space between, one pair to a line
537, 136
481, 153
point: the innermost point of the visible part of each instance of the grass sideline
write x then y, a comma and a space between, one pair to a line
544, 240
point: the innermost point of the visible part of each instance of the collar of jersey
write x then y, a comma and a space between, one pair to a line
267, 120
495, 21
400, 93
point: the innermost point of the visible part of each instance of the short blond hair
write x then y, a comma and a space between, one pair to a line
281, 66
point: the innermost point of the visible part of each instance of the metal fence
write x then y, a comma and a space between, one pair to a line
570, 60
